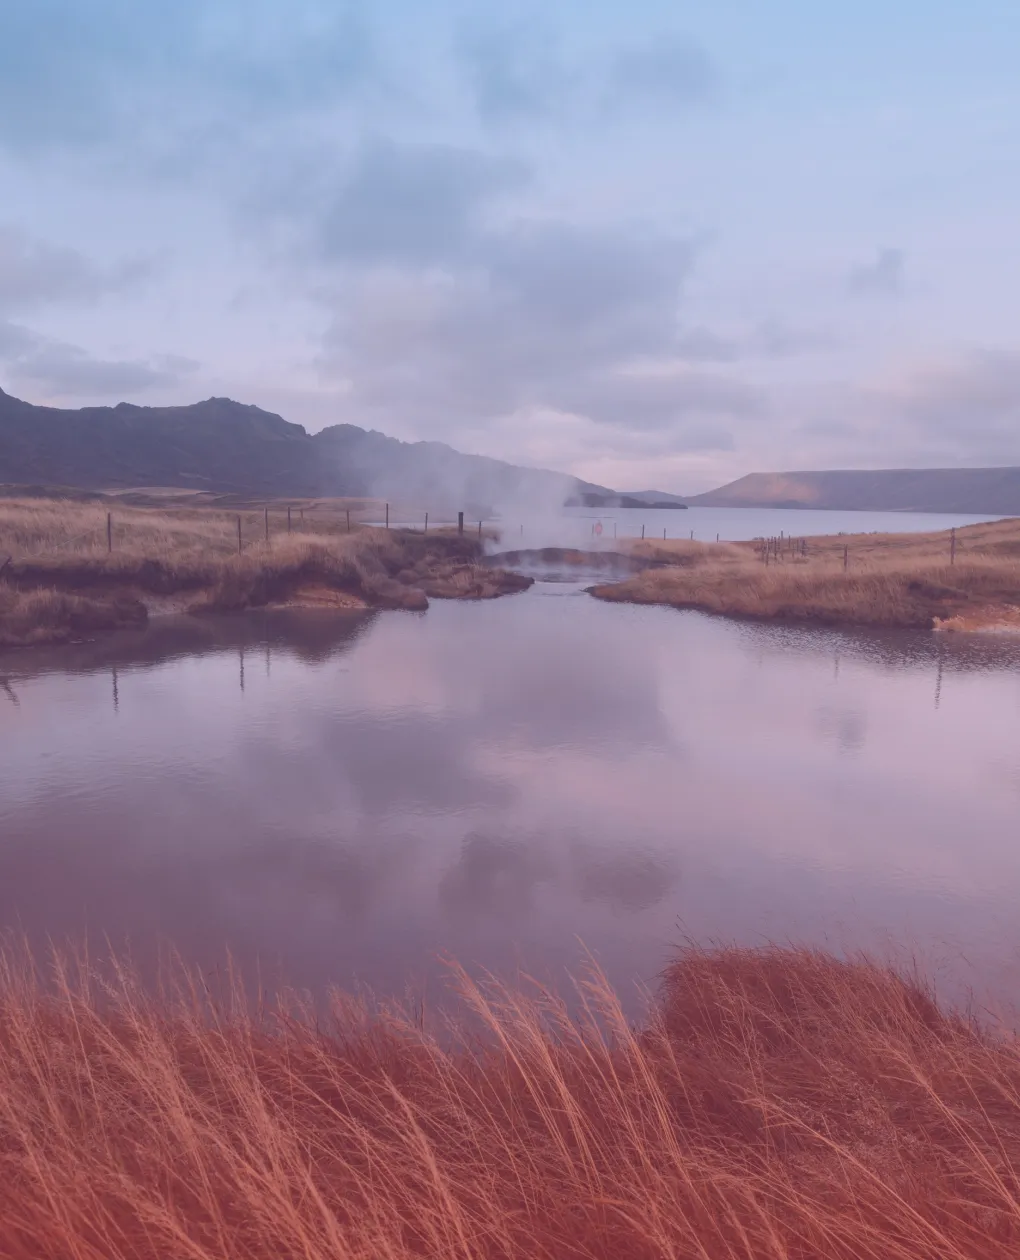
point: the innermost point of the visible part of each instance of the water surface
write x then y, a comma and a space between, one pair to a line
343, 798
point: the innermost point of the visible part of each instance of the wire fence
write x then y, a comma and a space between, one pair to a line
254, 529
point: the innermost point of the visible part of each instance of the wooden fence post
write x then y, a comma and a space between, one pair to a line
348, 520
952, 546
846, 558
288, 519
460, 522
479, 530
426, 523
387, 516
238, 535
642, 531
109, 531
267, 524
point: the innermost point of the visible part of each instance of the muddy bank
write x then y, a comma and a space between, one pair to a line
906, 603
63, 599
960, 580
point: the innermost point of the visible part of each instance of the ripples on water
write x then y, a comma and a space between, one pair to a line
343, 798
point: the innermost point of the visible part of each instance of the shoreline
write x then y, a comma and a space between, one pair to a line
60, 583
190, 561
960, 580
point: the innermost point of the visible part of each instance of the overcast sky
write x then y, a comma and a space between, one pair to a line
656, 245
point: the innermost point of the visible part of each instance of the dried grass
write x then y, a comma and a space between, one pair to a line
777, 1104
889, 580
65, 577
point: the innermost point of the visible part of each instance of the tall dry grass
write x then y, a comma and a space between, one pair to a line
864, 579
64, 574
777, 1104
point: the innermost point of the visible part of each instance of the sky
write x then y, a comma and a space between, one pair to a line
650, 244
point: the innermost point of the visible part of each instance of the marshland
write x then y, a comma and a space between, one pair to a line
957, 579
74, 567
333, 931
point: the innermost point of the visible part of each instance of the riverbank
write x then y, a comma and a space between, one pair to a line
924, 581
72, 568
776, 1103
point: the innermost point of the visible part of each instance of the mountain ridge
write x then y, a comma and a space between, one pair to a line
222, 445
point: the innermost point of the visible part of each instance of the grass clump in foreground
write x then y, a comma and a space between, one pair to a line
777, 1104
64, 575
860, 579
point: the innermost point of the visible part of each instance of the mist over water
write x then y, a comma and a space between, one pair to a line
342, 799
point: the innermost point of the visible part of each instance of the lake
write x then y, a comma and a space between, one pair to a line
530, 526
344, 798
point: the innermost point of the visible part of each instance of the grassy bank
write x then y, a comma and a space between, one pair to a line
862, 579
72, 567
776, 1105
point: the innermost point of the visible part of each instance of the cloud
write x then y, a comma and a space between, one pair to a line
85, 74
539, 313
768, 339
513, 72
57, 369
664, 69
882, 277
973, 403
958, 411
411, 204
34, 273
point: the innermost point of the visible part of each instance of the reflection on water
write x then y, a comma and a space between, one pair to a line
342, 798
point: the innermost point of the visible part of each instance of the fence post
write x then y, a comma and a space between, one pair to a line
387, 516
109, 531
460, 522
642, 531
952, 546
479, 530
348, 520
267, 524
238, 535
426, 522
846, 558
288, 519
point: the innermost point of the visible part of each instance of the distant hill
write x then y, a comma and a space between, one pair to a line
226, 446
978, 490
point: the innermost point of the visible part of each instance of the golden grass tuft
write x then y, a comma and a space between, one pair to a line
776, 1105
886, 580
